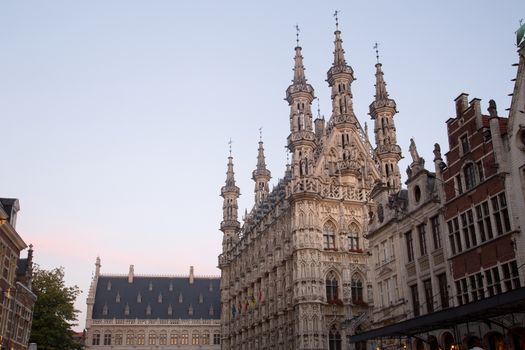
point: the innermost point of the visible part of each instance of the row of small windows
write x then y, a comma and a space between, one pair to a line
487, 283
432, 301
329, 237
479, 224
422, 235
105, 310
159, 298
153, 339
150, 286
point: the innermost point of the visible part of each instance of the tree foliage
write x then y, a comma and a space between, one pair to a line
54, 313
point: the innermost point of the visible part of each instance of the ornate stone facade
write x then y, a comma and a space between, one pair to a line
153, 312
295, 275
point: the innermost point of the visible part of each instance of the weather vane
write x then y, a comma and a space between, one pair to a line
230, 143
297, 30
260, 133
376, 47
336, 13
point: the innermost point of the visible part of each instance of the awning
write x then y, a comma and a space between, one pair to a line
482, 310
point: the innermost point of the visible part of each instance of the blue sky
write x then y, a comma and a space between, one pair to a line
115, 115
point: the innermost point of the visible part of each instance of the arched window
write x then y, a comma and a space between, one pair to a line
163, 338
130, 339
357, 290
107, 338
329, 235
353, 237
331, 287
334, 339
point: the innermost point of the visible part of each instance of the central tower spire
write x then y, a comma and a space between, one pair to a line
300, 95
340, 77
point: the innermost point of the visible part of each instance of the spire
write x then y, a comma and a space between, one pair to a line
381, 97
382, 111
339, 68
230, 192
261, 175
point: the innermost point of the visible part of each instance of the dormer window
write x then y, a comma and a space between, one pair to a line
159, 298
150, 287
180, 298
190, 310
139, 298
211, 287
117, 298
210, 311
200, 298
171, 287
105, 310
126, 310
109, 285
170, 310
148, 310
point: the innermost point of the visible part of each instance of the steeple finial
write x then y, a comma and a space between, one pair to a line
230, 145
376, 47
297, 30
336, 13
318, 109
260, 134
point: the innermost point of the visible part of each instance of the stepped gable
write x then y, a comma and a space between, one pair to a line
108, 306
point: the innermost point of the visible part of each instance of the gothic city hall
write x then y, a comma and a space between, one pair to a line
340, 255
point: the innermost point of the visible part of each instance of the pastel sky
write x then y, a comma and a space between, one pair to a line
115, 115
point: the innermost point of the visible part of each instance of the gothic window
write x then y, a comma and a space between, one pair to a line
195, 339
152, 339
334, 339
205, 338
96, 339
163, 338
174, 337
329, 235
184, 338
331, 287
118, 339
353, 237
357, 290
130, 339
141, 339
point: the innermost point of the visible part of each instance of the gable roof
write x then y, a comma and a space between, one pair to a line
108, 306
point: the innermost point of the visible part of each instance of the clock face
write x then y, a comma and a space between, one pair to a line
380, 214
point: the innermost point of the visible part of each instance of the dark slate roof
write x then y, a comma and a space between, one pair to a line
106, 300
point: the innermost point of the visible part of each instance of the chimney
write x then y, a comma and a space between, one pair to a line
131, 273
191, 275
476, 106
97, 266
461, 104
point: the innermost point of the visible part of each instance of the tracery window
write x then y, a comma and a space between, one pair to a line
353, 238
357, 290
331, 287
334, 339
329, 235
